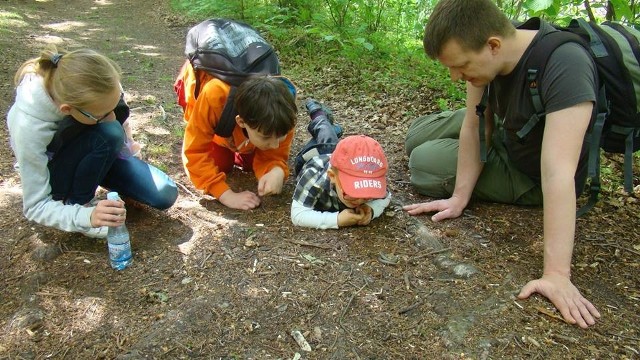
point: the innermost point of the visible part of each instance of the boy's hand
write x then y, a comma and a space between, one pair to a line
366, 212
350, 217
245, 200
271, 182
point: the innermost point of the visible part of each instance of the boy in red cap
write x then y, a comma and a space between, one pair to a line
340, 182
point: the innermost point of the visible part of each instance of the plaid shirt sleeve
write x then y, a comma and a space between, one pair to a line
314, 189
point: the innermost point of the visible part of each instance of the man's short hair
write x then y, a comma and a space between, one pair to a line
470, 22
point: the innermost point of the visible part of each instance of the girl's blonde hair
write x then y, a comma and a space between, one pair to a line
78, 78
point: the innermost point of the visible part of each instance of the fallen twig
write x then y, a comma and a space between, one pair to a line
45, 293
346, 308
549, 313
420, 256
564, 338
305, 243
410, 307
320, 301
624, 336
205, 260
260, 273
618, 247
186, 190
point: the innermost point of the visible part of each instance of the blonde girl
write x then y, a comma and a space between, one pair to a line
67, 130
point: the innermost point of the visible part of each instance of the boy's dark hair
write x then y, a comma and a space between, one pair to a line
266, 105
470, 22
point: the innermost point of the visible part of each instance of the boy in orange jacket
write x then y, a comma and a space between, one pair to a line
260, 141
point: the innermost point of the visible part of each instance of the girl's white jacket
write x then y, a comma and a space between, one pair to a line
33, 120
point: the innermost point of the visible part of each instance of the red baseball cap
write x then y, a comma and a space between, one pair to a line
362, 167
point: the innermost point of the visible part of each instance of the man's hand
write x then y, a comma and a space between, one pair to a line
245, 200
271, 182
575, 309
445, 209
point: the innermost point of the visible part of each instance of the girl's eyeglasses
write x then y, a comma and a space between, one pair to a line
97, 120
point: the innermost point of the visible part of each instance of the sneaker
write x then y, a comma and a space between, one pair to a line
313, 105
339, 130
96, 232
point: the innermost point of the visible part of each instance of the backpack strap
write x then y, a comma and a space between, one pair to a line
630, 49
595, 42
535, 64
228, 118
593, 158
480, 109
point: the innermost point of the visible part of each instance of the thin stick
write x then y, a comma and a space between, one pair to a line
186, 190
304, 243
624, 337
431, 253
346, 308
205, 260
410, 307
320, 301
407, 283
620, 247
44, 293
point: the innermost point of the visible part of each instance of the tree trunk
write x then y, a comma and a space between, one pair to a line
587, 7
611, 12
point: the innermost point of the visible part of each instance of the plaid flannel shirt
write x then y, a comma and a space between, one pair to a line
314, 189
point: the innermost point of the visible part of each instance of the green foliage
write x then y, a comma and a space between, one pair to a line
366, 36
562, 10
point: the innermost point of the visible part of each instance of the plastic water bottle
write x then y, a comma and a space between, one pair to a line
119, 243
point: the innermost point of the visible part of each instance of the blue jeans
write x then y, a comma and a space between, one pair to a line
92, 159
324, 138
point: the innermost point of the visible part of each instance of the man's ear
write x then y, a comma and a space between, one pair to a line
240, 121
65, 109
495, 44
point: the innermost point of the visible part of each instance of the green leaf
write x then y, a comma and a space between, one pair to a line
622, 9
537, 5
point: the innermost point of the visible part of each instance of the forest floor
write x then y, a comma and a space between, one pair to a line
210, 282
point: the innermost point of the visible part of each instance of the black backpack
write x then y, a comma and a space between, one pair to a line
231, 51
615, 125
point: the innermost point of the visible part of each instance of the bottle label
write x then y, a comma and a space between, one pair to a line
120, 252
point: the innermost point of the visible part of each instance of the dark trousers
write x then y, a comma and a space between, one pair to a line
93, 157
324, 138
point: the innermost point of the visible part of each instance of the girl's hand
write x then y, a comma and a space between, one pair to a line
108, 213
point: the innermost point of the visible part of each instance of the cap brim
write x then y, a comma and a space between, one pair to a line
363, 188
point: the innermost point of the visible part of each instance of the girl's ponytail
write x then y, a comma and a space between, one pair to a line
78, 77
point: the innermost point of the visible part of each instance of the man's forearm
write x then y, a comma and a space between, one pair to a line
469, 166
559, 226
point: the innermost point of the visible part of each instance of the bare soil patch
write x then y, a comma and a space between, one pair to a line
210, 282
